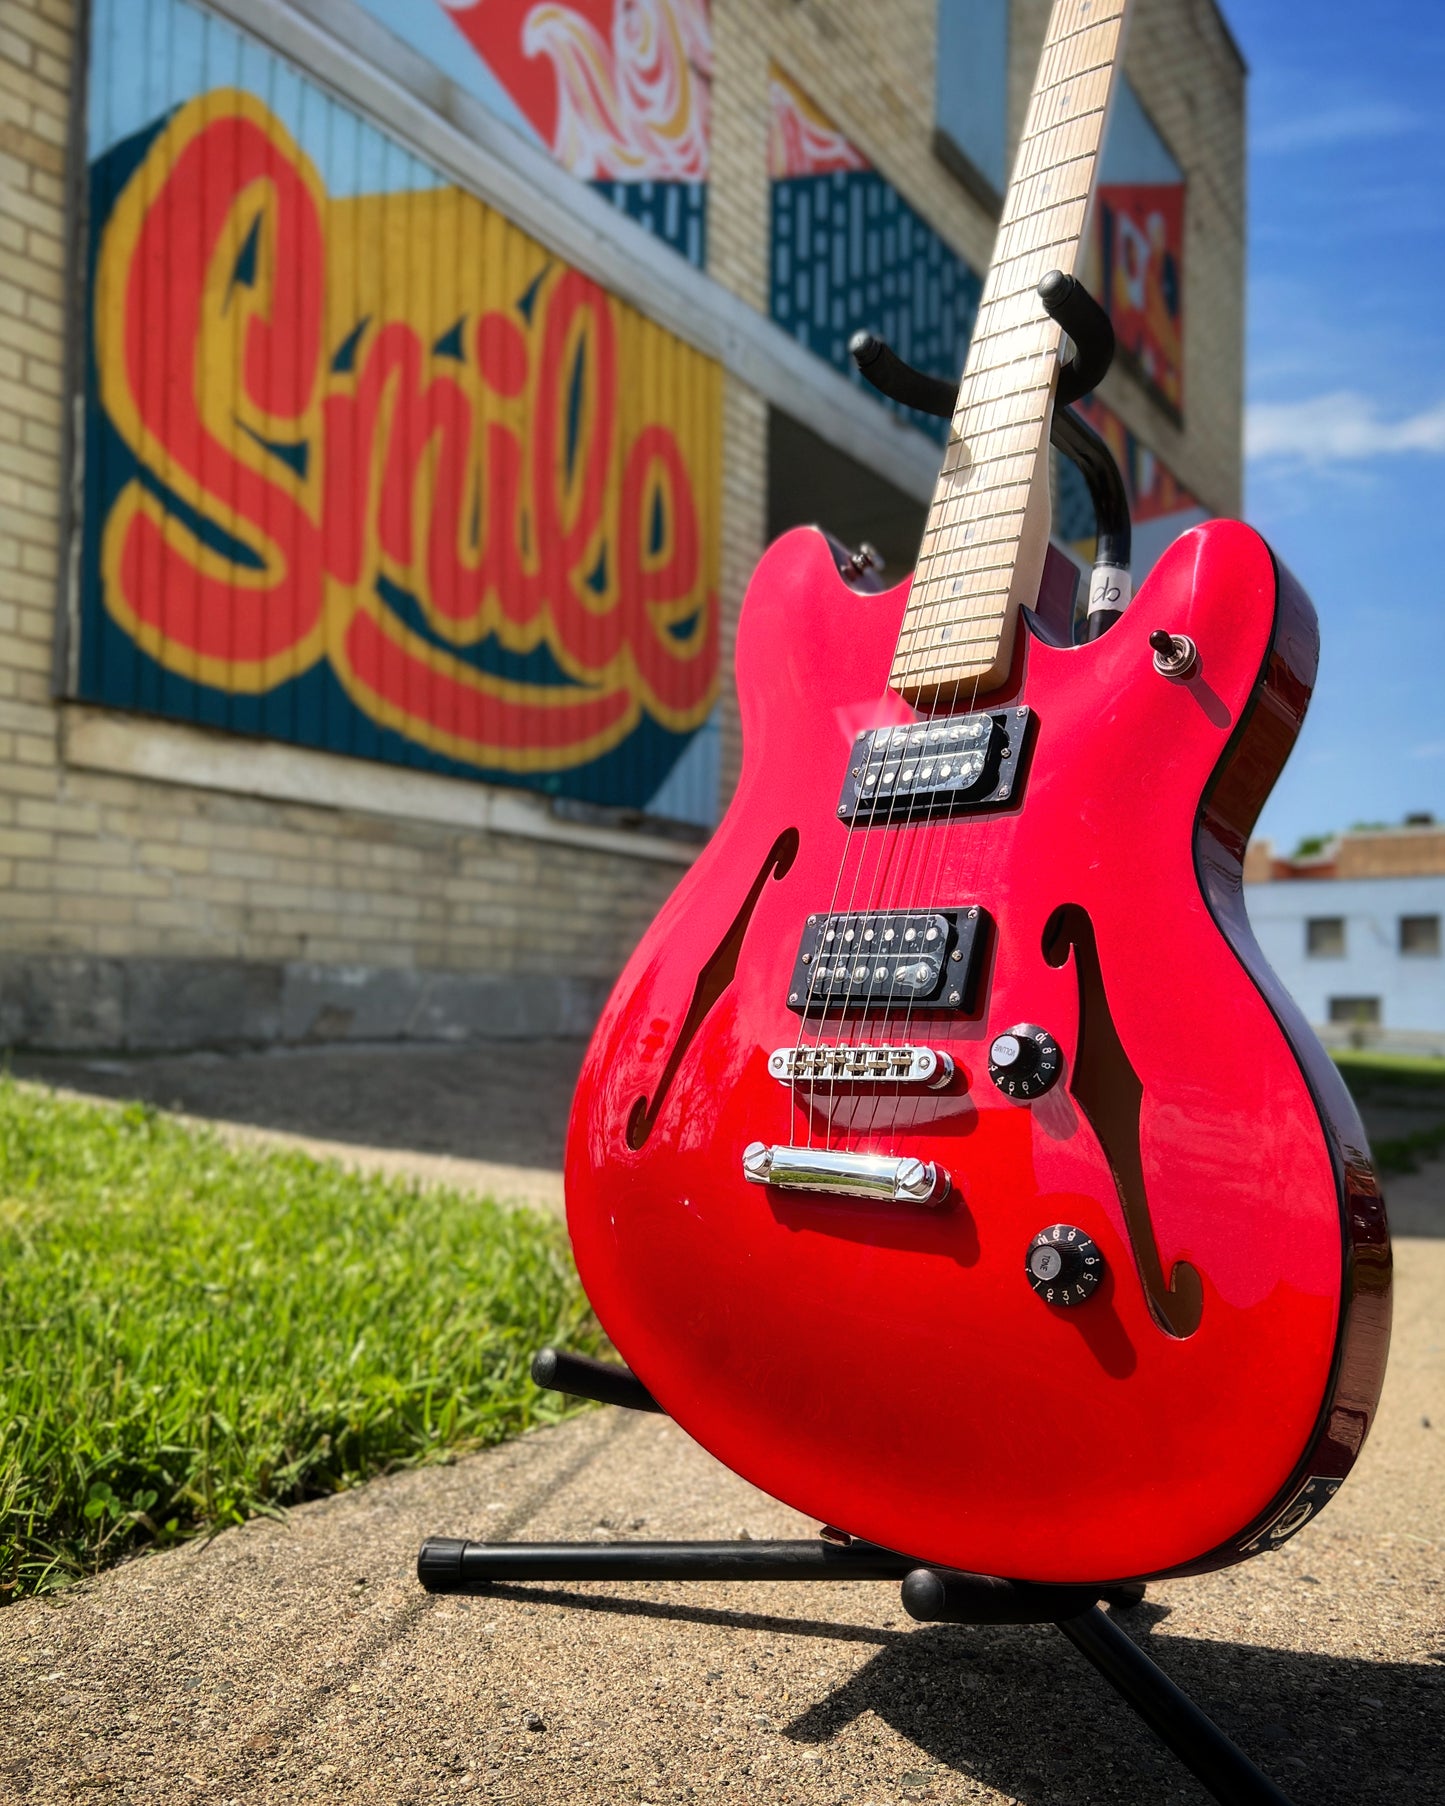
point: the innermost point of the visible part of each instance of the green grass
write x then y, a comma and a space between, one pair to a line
1414, 1070
190, 1334
1385, 1079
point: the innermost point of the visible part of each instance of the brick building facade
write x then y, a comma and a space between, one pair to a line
303, 741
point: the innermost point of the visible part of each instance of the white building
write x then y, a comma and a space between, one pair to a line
1360, 954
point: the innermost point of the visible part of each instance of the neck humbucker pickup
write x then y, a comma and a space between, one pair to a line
938, 767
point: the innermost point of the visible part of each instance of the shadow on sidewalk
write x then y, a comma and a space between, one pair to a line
504, 1101
1018, 1709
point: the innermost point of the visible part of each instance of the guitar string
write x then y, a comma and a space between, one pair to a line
890, 836
898, 830
819, 965
860, 820
920, 839
951, 842
968, 832
961, 846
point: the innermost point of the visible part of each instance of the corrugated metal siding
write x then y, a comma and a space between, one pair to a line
366, 468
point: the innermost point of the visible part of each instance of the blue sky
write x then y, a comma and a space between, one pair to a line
1346, 386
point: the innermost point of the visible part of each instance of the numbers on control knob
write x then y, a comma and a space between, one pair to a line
1025, 1062
1064, 1266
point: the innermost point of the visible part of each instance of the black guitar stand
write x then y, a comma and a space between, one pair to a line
449, 1564
1068, 302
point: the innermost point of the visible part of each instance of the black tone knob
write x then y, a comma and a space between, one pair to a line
1064, 1265
1025, 1062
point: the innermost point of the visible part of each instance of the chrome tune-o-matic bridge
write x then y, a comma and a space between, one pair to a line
865, 1064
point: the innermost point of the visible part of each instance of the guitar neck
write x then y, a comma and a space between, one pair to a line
983, 548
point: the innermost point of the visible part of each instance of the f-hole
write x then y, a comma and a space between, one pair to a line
1109, 1092
712, 981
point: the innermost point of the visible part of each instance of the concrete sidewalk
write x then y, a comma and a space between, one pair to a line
299, 1661
487, 1117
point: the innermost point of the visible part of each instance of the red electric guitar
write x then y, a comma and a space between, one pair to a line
947, 1160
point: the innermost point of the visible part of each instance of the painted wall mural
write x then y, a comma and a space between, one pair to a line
1137, 254
370, 470
618, 91
848, 251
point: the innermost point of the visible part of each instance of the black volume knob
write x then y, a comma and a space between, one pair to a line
1064, 1265
1025, 1062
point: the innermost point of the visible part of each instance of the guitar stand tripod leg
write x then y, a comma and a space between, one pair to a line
449, 1564
937, 1596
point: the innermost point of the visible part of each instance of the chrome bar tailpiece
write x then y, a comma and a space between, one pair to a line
861, 1065
885, 1178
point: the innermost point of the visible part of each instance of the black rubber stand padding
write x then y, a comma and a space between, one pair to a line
1226, 1772
447, 1565
439, 1564
554, 1370
949, 1596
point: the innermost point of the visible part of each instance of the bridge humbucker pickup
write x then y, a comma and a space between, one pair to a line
889, 959
938, 767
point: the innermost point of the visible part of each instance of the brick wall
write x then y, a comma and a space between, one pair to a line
136, 912
1390, 853
151, 910
871, 67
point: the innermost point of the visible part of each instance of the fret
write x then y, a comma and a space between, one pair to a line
933, 640
941, 559
1018, 344
941, 645
1015, 406
1057, 145
985, 598
989, 385
982, 547
958, 513
1059, 224
1091, 48
930, 642
1065, 182
960, 557
1003, 313
1008, 313
1074, 96
1077, 15
999, 470
1083, 95
984, 530
1019, 277
978, 602
1004, 441
946, 594
1004, 498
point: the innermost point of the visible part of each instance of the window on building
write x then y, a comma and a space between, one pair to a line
971, 96
1325, 937
1420, 936
1355, 1009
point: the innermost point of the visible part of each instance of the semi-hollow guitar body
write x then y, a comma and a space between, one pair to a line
894, 1367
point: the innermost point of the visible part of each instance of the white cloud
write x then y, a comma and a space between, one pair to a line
1431, 749
1343, 428
1337, 125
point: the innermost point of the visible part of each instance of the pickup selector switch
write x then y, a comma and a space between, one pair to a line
1064, 1266
1025, 1062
